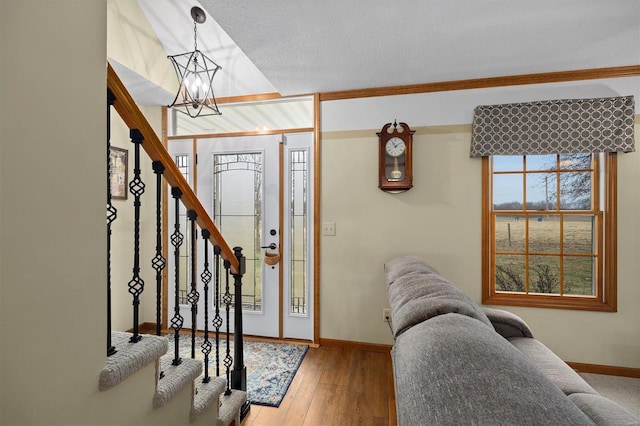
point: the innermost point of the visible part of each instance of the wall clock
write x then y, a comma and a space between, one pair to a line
395, 168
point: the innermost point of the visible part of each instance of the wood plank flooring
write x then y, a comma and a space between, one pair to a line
335, 385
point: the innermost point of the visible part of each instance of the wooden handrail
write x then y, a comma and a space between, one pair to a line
134, 119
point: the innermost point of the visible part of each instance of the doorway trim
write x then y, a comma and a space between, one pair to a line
315, 130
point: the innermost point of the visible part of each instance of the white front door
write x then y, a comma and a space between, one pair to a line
259, 192
238, 184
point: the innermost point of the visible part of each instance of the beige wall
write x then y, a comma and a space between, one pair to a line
52, 224
52, 304
439, 220
53, 244
132, 42
122, 231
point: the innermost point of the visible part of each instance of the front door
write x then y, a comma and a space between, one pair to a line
259, 192
238, 184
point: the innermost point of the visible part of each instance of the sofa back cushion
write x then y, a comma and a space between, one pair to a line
453, 370
418, 292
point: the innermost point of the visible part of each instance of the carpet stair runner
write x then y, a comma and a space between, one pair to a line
131, 357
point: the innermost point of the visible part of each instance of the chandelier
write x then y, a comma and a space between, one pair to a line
195, 73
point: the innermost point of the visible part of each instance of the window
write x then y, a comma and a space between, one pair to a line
549, 227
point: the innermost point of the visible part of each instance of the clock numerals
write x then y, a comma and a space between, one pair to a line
395, 147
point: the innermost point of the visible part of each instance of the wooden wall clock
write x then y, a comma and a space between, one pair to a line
395, 168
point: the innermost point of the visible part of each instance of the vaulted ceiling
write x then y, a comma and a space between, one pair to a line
307, 46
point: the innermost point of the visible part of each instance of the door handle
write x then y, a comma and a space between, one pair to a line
271, 246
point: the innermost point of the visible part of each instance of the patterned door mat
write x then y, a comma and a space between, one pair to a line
271, 366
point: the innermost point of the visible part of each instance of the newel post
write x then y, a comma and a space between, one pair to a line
239, 373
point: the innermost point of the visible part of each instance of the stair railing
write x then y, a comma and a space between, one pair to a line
143, 136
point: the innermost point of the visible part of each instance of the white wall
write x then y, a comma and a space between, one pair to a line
439, 219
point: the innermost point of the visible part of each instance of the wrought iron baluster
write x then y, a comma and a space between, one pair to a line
206, 279
158, 262
193, 296
136, 187
112, 214
217, 320
227, 301
176, 240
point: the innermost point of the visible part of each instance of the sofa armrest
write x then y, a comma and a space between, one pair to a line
507, 324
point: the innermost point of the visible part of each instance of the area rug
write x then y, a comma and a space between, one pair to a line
271, 367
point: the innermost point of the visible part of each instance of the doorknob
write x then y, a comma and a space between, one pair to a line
271, 246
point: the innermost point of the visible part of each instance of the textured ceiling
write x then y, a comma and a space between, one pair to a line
309, 46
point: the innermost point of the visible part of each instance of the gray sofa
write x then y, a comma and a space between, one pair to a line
456, 363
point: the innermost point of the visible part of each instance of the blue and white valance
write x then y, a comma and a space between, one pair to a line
567, 126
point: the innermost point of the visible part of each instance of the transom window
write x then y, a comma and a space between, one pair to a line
549, 222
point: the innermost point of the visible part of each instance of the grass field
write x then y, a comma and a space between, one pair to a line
561, 250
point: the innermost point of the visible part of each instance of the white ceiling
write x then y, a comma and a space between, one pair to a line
308, 46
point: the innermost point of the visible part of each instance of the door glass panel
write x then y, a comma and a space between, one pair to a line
182, 161
298, 248
237, 199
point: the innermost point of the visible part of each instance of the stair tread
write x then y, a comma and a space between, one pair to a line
230, 407
130, 357
175, 378
207, 394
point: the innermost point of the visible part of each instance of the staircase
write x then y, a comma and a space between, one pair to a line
211, 400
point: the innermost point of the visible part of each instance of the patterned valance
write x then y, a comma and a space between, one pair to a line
567, 126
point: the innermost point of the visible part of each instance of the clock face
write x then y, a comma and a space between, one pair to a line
395, 147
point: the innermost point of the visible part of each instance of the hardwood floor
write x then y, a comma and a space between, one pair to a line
335, 385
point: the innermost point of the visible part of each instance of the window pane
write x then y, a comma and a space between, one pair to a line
579, 234
541, 162
184, 261
544, 274
578, 276
237, 195
575, 189
284, 113
299, 184
507, 192
544, 234
541, 190
507, 163
575, 162
510, 273
510, 233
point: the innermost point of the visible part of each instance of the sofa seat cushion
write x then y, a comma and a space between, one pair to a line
552, 366
454, 370
420, 293
603, 411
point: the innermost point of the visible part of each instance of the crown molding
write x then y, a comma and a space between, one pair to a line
488, 82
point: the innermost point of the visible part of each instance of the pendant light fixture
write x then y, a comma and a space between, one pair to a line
195, 73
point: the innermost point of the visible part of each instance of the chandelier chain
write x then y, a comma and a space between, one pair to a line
195, 36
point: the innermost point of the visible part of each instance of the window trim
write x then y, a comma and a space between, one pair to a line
607, 302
